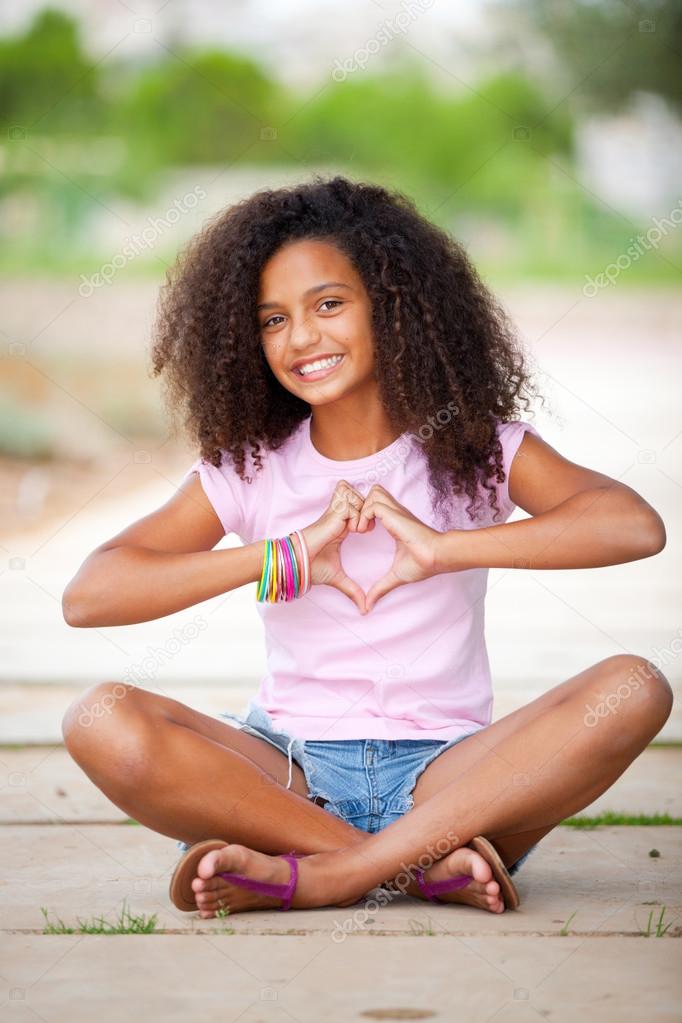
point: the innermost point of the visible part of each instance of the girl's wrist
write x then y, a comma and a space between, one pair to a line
255, 550
453, 552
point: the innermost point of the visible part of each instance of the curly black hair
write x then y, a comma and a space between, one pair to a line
439, 335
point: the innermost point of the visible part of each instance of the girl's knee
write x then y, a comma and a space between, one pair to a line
638, 674
95, 704
629, 682
106, 722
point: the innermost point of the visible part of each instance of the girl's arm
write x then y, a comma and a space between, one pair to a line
580, 519
160, 564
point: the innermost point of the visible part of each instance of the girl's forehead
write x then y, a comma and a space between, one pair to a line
306, 263
306, 251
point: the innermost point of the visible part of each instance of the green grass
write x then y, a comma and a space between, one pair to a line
564, 929
127, 923
660, 929
221, 914
631, 820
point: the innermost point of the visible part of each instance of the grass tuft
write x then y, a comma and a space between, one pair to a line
564, 929
660, 929
127, 923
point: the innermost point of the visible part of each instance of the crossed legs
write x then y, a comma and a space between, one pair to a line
189, 776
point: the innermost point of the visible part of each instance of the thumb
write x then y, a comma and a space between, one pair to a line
380, 588
350, 588
391, 519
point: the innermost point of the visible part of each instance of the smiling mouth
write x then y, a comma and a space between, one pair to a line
318, 374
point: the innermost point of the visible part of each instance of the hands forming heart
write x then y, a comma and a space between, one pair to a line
417, 545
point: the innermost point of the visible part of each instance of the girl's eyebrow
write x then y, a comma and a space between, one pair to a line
310, 291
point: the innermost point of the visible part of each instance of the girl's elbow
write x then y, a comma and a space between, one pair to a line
651, 535
73, 613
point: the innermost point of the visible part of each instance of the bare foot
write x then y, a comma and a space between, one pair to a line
483, 892
213, 892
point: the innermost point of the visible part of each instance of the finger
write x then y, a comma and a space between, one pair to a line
347, 503
375, 509
355, 503
380, 588
366, 516
351, 589
379, 493
391, 519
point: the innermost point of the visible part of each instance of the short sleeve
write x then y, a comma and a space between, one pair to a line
510, 436
222, 488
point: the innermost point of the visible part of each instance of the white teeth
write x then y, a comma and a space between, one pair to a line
312, 367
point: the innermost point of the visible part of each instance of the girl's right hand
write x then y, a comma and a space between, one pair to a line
325, 536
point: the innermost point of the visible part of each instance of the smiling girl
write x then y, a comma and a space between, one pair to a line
354, 391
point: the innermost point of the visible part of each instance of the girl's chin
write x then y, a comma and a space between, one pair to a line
321, 390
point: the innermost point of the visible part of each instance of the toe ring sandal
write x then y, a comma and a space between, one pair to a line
481, 845
182, 894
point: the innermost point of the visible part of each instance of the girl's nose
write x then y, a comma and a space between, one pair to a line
305, 331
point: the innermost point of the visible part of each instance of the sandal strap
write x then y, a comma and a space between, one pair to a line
432, 889
277, 891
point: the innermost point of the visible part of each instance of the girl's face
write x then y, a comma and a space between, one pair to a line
313, 306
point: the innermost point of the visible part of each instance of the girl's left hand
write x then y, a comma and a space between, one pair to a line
416, 543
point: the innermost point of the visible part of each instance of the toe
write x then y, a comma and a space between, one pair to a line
209, 885
480, 868
208, 864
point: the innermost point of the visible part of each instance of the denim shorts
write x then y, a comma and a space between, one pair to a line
366, 782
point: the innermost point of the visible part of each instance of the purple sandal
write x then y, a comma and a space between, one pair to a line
182, 894
276, 891
432, 889
487, 850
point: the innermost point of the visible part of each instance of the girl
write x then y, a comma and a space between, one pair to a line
354, 391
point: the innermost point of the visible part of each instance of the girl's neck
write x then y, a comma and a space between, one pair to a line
343, 435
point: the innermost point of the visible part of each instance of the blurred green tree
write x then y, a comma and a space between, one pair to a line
486, 146
47, 83
194, 107
613, 49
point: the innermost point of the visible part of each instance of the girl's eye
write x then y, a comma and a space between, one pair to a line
327, 301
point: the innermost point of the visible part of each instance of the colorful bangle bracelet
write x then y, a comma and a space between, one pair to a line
281, 577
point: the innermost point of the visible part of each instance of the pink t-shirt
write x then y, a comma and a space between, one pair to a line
416, 666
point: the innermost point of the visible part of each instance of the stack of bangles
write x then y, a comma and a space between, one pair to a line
281, 577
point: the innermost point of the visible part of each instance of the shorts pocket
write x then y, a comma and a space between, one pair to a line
312, 774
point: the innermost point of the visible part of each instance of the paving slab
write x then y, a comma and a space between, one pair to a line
604, 877
45, 785
32, 712
255, 979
